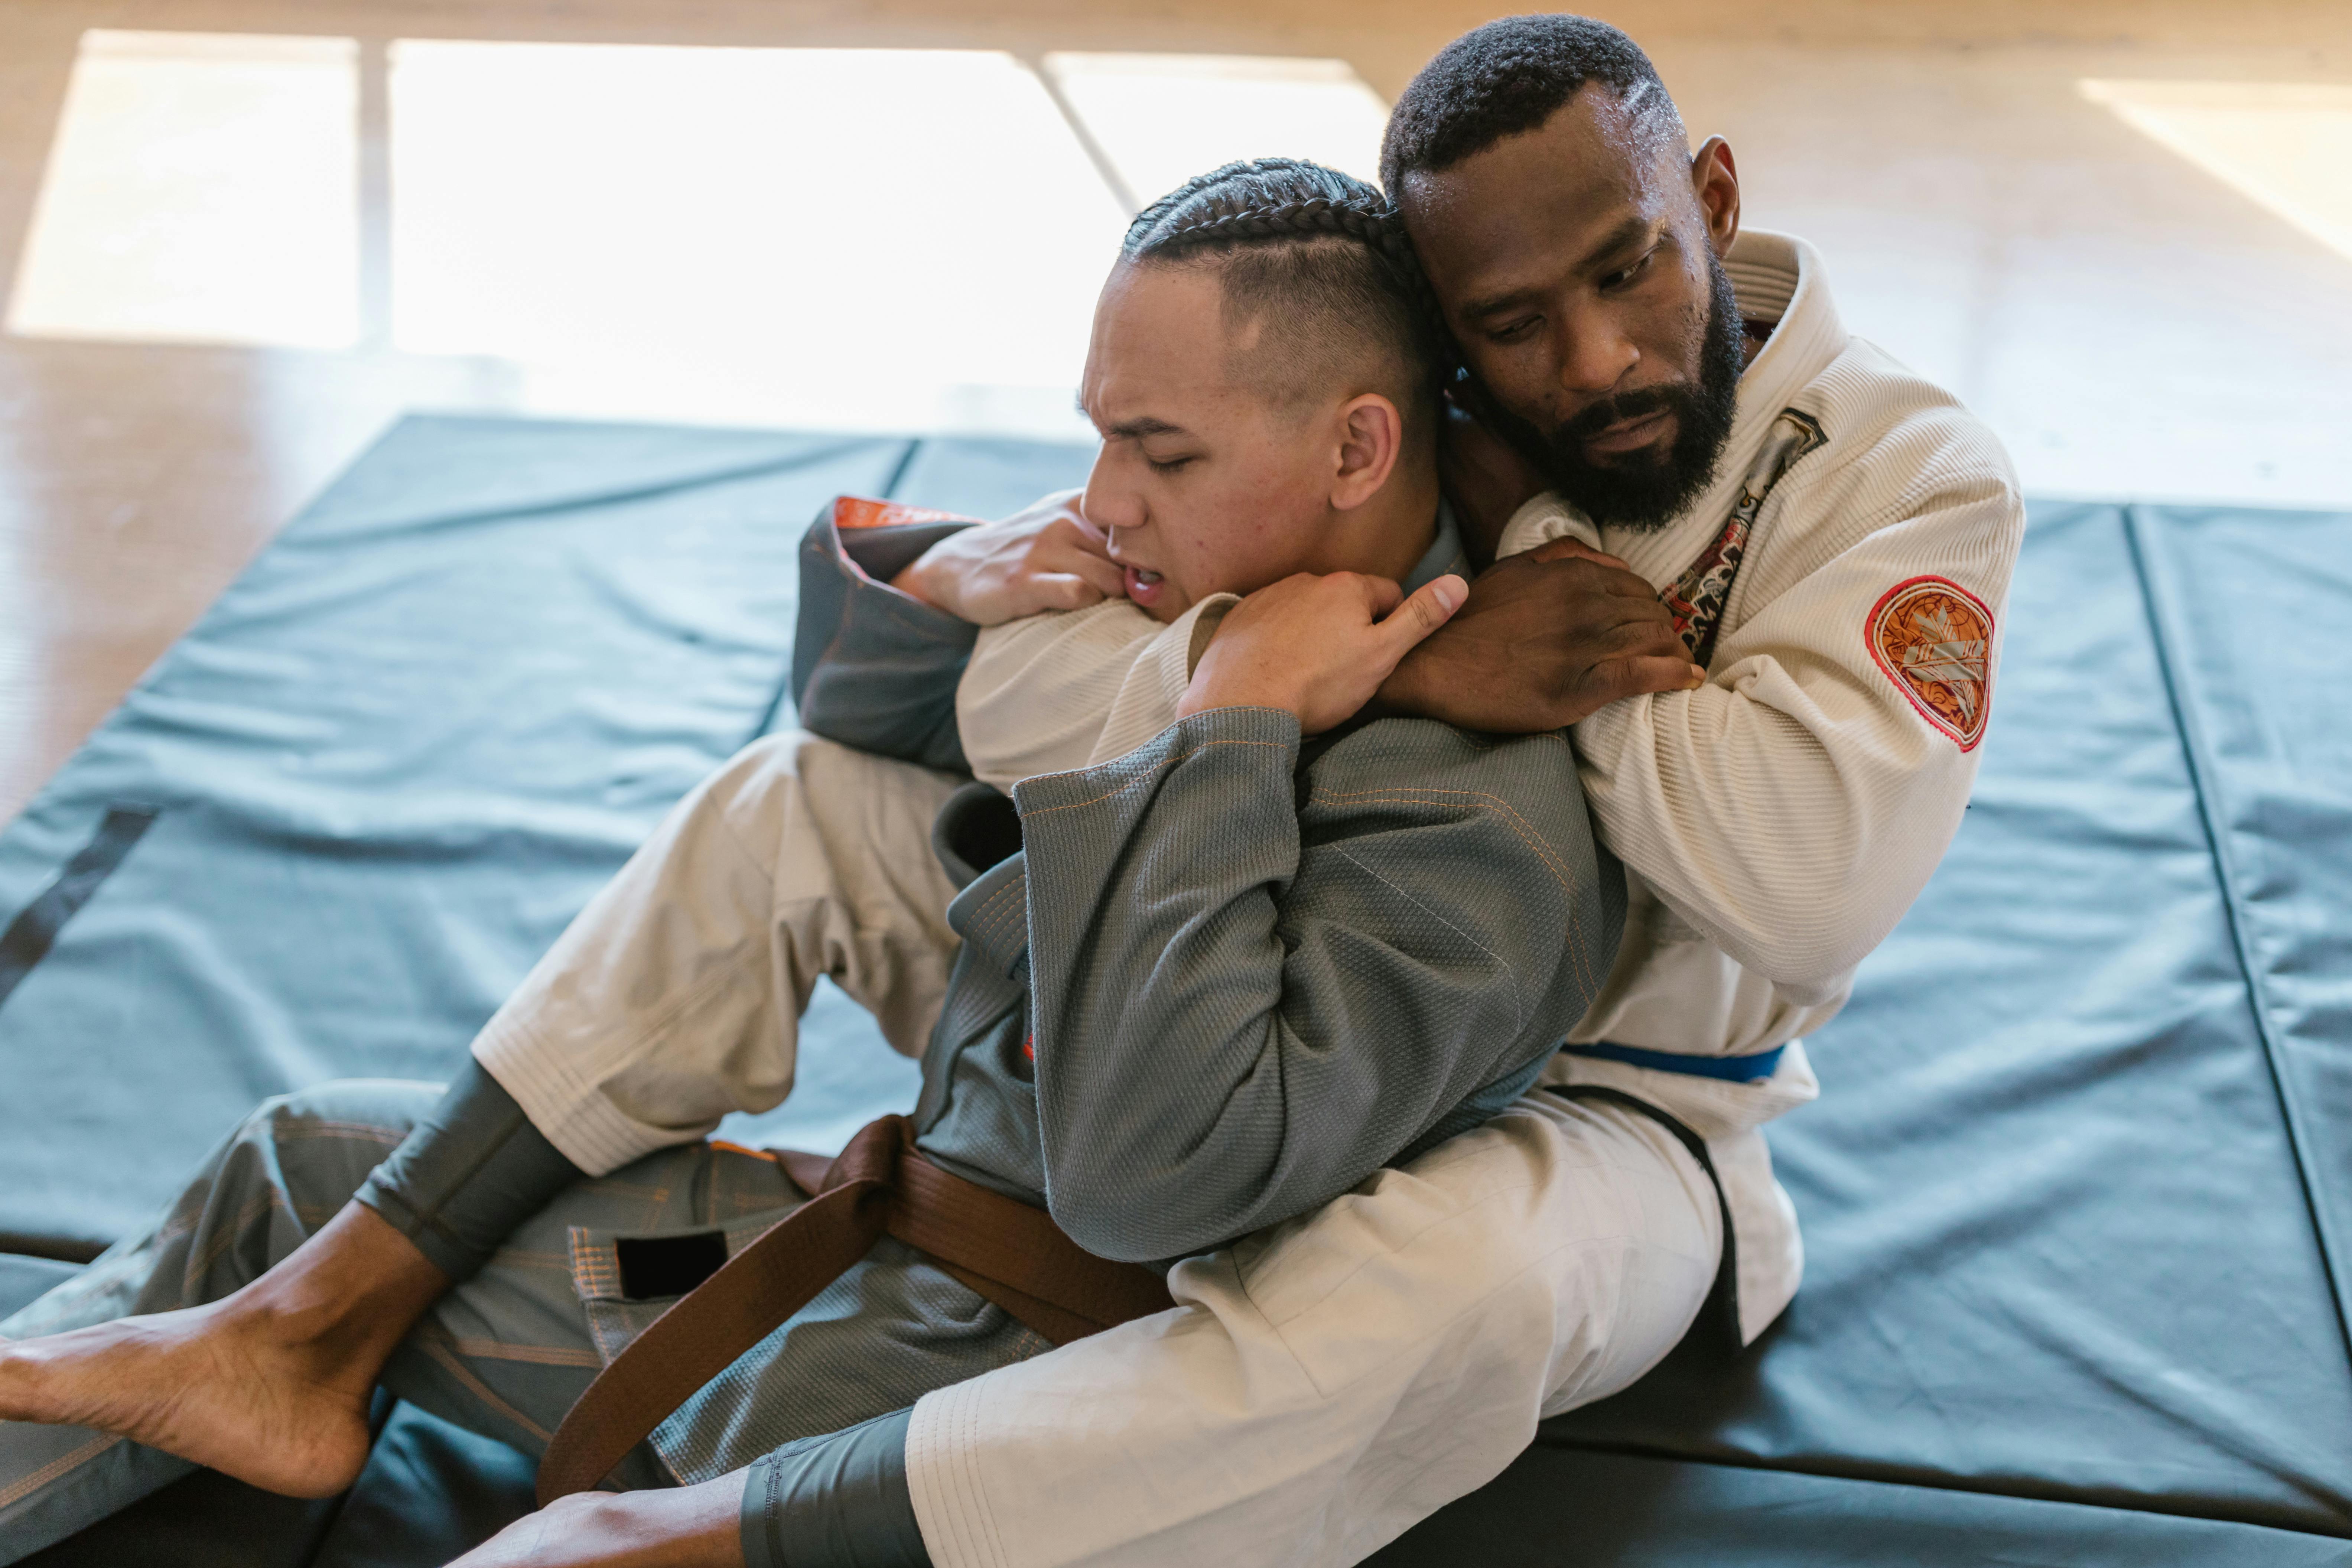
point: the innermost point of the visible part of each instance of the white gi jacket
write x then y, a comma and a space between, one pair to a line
1776, 822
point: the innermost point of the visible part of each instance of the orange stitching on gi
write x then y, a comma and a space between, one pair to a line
55, 1467
1014, 913
591, 1275
436, 1346
516, 1258
981, 919
367, 1131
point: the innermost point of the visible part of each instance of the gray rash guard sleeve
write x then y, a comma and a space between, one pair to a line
835, 1502
1252, 984
873, 668
470, 1172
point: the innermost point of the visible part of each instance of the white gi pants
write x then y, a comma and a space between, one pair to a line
1319, 1388
675, 996
1323, 1386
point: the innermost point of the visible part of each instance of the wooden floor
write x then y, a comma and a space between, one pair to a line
2136, 317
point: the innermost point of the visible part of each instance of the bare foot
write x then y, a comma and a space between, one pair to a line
207, 1384
269, 1386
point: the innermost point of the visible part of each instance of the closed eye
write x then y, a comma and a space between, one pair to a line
1167, 465
1627, 275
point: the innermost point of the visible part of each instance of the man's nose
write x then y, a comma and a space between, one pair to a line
1595, 353
1108, 504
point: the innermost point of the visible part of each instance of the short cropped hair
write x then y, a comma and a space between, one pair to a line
1509, 77
1319, 260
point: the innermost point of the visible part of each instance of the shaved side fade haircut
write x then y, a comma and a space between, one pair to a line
1318, 262
1509, 77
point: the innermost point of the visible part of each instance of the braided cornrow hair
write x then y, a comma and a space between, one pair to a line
1269, 203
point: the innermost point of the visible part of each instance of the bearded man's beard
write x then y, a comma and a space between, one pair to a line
1644, 492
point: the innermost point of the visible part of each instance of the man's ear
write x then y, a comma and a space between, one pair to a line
1372, 436
1715, 180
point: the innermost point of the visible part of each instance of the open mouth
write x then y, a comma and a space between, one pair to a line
1143, 587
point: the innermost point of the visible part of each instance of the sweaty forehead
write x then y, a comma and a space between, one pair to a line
1542, 199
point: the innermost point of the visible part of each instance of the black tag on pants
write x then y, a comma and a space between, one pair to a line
653, 1266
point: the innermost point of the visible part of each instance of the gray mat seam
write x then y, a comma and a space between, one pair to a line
1930, 1480
2157, 593
36, 927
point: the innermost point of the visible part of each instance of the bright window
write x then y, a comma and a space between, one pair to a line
2287, 146
831, 236
1161, 119
201, 188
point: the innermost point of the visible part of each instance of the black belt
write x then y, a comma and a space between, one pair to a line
1720, 1311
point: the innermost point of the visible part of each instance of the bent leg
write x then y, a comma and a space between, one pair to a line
509, 1348
504, 1353
675, 996
1324, 1385
284, 1172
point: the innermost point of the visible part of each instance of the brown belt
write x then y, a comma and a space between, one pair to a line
1002, 1249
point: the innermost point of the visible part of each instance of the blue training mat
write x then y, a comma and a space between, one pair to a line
2073, 1195
331, 830
2059, 1238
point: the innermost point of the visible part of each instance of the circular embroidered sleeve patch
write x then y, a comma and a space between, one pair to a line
1934, 640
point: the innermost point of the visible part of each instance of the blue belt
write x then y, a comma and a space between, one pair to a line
1737, 1069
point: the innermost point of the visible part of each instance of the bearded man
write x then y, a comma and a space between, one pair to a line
1830, 538
1758, 568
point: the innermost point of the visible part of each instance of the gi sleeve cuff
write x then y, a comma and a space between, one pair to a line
874, 668
467, 1175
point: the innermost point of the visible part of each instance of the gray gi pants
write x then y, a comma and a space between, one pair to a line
507, 1351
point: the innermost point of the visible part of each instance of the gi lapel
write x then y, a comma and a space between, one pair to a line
1697, 597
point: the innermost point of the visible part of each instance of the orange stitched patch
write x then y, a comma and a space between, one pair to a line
1934, 640
857, 511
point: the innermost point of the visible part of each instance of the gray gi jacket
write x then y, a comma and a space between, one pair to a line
1228, 976
1203, 988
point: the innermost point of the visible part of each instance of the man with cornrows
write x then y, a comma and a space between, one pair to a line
1204, 985
1756, 566
1830, 538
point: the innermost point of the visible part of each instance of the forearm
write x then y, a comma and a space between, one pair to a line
684, 1526
1243, 1003
1155, 971
1036, 692
838, 1499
